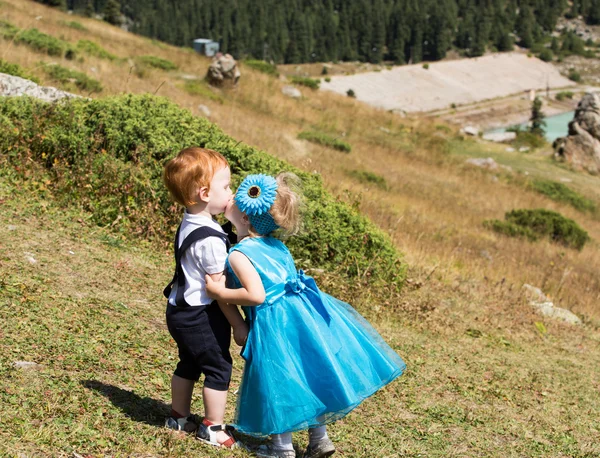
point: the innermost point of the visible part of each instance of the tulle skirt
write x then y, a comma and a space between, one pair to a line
310, 360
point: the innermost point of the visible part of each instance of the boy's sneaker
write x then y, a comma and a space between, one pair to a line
322, 449
188, 424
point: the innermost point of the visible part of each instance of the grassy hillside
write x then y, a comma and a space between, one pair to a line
487, 376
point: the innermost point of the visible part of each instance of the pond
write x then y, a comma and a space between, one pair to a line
556, 126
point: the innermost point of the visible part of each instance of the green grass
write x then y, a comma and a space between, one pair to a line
562, 193
90, 312
325, 140
364, 176
202, 88
157, 62
68, 78
305, 81
16, 70
93, 49
262, 66
74, 25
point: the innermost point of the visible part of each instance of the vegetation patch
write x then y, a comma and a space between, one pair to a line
262, 66
68, 77
92, 49
106, 156
325, 140
74, 25
541, 223
564, 95
202, 88
157, 62
562, 193
16, 70
364, 176
45, 43
305, 81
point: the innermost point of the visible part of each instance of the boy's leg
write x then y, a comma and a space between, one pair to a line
181, 394
214, 409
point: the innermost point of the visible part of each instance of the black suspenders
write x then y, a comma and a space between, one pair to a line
179, 277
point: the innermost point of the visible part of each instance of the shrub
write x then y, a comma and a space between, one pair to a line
426, 66
305, 81
8, 30
546, 55
324, 71
538, 223
42, 42
328, 80
202, 88
74, 25
325, 140
364, 176
526, 138
157, 62
16, 70
574, 75
262, 66
564, 95
93, 49
67, 76
562, 193
106, 156
351, 93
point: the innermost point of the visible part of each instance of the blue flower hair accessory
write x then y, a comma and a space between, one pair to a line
254, 197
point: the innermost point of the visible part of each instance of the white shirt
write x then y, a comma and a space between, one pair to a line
202, 257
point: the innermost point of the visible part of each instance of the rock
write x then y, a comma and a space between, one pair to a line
204, 110
470, 130
581, 148
291, 91
523, 149
27, 365
544, 306
487, 163
385, 129
13, 86
510, 149
223, 71
500, 137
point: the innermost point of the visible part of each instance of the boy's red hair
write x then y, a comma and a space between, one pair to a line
192, 169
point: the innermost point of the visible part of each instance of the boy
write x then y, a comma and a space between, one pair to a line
199, 179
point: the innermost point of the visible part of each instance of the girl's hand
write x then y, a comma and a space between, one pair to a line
214, 288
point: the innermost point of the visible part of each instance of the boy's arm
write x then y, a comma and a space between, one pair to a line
252, 291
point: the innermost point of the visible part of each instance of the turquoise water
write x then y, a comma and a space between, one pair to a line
556, 126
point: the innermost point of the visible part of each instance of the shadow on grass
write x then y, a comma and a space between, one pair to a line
145, 410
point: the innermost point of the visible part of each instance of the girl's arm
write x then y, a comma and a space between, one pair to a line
233, 315
252, 291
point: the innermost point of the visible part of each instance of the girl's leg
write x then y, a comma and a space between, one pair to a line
316, 435
282, 442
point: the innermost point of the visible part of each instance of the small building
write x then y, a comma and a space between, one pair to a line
206, 47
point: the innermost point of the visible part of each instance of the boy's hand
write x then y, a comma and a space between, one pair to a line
240, 334
214, 288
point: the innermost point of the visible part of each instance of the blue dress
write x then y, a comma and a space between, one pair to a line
310, 358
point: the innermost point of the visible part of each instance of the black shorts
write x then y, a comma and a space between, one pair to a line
203, 335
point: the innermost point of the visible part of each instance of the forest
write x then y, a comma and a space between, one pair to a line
298, 31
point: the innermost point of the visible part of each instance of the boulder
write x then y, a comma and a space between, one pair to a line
539, 301
581, 148
291, 91
13, 86
500, 137
204, 110
470, 130
223, 71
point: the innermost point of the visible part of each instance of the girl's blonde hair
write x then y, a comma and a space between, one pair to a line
287, 206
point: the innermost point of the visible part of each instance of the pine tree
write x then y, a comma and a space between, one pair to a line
89, 9
537, 118
112, 12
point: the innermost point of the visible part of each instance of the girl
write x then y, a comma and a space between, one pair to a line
310, 358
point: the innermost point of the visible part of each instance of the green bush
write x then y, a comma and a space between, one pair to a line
541, 223
546, 55
328, 80
8, 30
92, 49
157, 62
304, 81
364, 176
262, 66
562, 193
67, 76
574, 75
106, 156
426, 66
526, 138
564, 95
42, 42
351, 93
325, 140
74, 25
16, 70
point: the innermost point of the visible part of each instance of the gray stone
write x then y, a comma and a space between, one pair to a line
291, 91
471, 130
485, 163
500, 137
13, 86
539, 301
27, 365
223, 71
204, 110
581, 148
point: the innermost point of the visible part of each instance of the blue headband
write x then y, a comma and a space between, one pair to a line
254, 197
